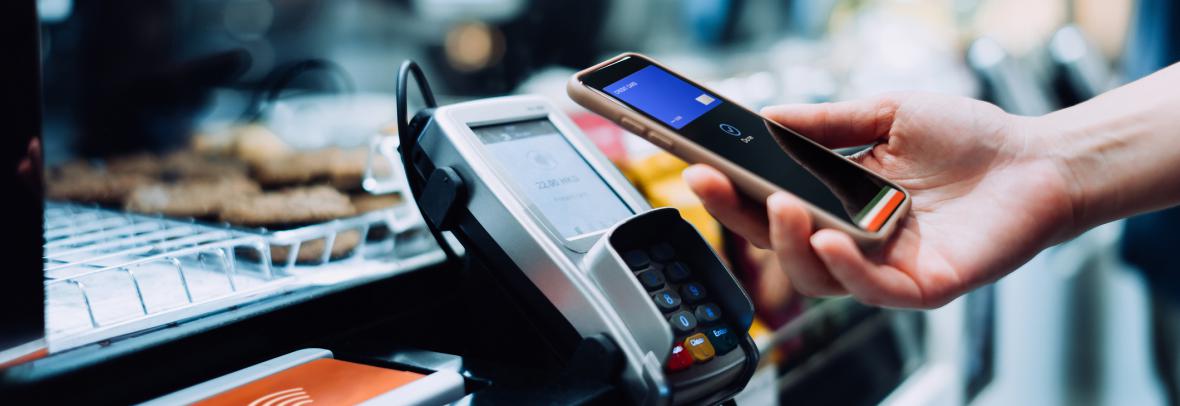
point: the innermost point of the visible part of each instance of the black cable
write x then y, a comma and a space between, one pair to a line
403, 123
277, 81
408, 141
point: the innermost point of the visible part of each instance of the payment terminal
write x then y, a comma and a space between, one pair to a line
523, 190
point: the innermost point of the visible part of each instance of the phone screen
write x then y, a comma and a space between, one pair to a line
555, 178
781, 156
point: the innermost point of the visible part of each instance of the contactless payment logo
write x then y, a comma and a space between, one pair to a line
289, 397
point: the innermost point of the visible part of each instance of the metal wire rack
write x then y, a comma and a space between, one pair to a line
110, 273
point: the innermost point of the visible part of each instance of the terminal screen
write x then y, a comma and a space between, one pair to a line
553, 176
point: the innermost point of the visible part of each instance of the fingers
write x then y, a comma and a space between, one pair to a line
722, 201
825, 263
838, 125
878, 285
790, 237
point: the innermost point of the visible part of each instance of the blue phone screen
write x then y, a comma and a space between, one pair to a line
663, 96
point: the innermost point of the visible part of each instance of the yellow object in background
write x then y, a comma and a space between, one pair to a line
658, 177
763, 336
656, 167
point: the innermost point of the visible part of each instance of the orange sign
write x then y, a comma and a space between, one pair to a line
320, 382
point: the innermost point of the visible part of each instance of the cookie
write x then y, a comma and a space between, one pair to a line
93, 186
177, 166
202, 199
71, 168
288, 208
312, 251
365, 202
255, 145
189, 165
297, 169
291, 208
140, 163
347, 169
344, 169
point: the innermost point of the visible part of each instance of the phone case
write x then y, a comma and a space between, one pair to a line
754, 186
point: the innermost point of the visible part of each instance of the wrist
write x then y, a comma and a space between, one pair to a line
1105, 159
1115, 151
1050, 143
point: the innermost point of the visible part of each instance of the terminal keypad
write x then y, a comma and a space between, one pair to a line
696, 322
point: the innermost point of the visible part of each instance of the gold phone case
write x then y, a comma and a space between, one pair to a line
749, 183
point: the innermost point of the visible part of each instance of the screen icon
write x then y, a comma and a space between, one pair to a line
731, 130
704, 99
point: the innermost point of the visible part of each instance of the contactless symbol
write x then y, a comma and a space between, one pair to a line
731, 130
542, 159
292, 397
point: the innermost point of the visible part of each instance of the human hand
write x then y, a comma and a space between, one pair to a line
985, 199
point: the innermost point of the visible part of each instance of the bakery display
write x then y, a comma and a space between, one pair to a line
365, 202
342, 168
313, 250
95, 185
288, 208
246, 178
292, 208
201, 199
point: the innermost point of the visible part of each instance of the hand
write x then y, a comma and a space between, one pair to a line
985, 199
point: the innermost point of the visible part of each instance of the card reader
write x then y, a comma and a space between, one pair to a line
518, 185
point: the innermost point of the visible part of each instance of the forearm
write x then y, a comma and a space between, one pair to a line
1120, 152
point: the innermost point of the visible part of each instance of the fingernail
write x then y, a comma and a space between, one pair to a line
691, 172
824, 237
778, 199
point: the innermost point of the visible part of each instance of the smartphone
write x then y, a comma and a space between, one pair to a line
758, 155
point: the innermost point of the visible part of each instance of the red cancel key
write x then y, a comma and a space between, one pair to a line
680, 359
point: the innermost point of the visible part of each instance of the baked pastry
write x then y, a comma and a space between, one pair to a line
84, 183
189, 165
293, 208
201, 199
296, 169
142, 163
347, 170
75, 167
255, 145
176, 166
365, 202
313, 251
288, 208
344, 169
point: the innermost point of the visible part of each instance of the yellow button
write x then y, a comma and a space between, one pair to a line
699, 346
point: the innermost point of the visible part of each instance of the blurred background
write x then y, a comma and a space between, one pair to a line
1092, 321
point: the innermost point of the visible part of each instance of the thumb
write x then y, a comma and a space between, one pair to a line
838, 125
